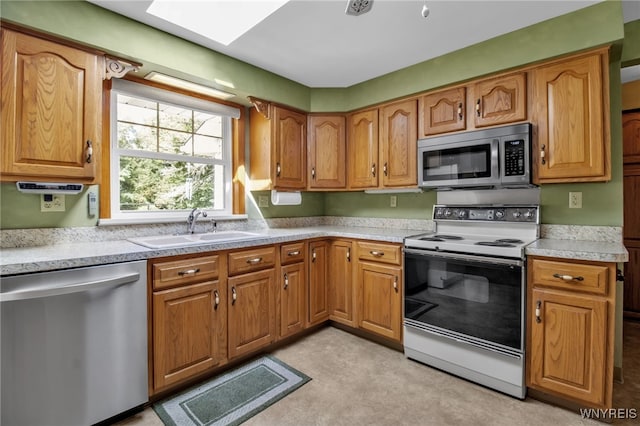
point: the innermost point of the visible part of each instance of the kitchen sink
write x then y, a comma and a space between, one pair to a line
168, 241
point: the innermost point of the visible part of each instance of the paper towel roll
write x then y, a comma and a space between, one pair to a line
279, 198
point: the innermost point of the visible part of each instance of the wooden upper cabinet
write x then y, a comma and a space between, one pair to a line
51, 110
278, 140
631, 137
442, 111
399, 144
572, 120
326, 139
362, 148
500, 100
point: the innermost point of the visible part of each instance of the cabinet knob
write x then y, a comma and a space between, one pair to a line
234, 295
542, 154
460, 111
538, 307
278, 169
286, 281
568, 277
216, 300
478, 108
89, 151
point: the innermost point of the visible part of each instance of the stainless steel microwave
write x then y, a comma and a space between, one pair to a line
499, 157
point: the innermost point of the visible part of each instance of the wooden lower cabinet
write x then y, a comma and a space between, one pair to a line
251, 312
341, 293
292, 299
570, 330
189, 329
318, 282
380, 299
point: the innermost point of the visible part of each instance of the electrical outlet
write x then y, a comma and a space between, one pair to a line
263, 201
393, 201
575, 200
52, 203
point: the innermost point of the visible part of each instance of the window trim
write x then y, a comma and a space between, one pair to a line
236, 180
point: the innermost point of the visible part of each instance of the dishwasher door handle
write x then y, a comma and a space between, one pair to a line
69, 289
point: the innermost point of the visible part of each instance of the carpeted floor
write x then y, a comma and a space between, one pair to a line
357, 382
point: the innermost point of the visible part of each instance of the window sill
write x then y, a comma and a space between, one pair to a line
167, 219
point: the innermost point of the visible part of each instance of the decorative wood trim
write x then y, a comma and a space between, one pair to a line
117, 68
261, 106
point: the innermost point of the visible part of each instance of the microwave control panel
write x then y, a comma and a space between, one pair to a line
514, 157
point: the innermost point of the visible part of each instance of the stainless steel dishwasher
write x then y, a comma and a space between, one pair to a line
74, 345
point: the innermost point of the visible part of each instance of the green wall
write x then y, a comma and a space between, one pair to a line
631, 45
594, 26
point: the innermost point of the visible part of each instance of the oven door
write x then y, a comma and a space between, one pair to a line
475, 299
459, 164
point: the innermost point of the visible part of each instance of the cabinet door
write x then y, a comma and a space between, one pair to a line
362, 146
291, 155
398, 143
632, 279
568, 345
631, 137
341, 297
51, 109
291, 309
318, 282
379, 308
573, 141
442, 112
251, 307
500, 100
188, 332
327, 152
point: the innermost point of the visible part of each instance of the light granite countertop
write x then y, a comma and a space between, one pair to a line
71, 255
600, 251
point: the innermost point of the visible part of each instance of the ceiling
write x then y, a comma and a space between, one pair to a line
316, 44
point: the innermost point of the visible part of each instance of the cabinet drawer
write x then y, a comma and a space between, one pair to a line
251, 260
291, 253
380, 252
571, 276
184, 271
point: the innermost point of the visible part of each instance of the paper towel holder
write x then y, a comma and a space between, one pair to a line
281, 198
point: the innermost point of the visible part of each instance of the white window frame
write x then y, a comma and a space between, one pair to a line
167, 97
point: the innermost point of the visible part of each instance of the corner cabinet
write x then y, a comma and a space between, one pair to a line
570, 329
189, 319
291, 305
326, 144
341, 291
572, 119
318, 282
51, 110
278, 140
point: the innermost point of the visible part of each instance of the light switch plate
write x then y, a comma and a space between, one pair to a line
52, 203
393, 201
575, 200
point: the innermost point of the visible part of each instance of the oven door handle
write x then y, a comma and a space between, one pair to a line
462, 256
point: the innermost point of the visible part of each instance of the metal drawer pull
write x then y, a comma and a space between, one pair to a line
293, 253
216, 299
538, 306
385, 169
568, 277
254, 261
373, 169
313, 173
348, 255
542, 154
313, 256
89, 151
189, 272
234, 295
286, 281
460, 110
478, 107
395, 284
376, 253
278, 169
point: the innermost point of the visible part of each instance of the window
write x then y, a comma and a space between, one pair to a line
170, 153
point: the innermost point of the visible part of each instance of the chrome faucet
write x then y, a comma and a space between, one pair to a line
193, 217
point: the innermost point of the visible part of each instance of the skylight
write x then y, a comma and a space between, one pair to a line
222, 21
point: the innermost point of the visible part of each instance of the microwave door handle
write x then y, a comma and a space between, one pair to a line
495, 159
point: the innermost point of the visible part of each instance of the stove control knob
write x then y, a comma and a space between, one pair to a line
529, 214
462, 214
499, 214
516, 214
448, 213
